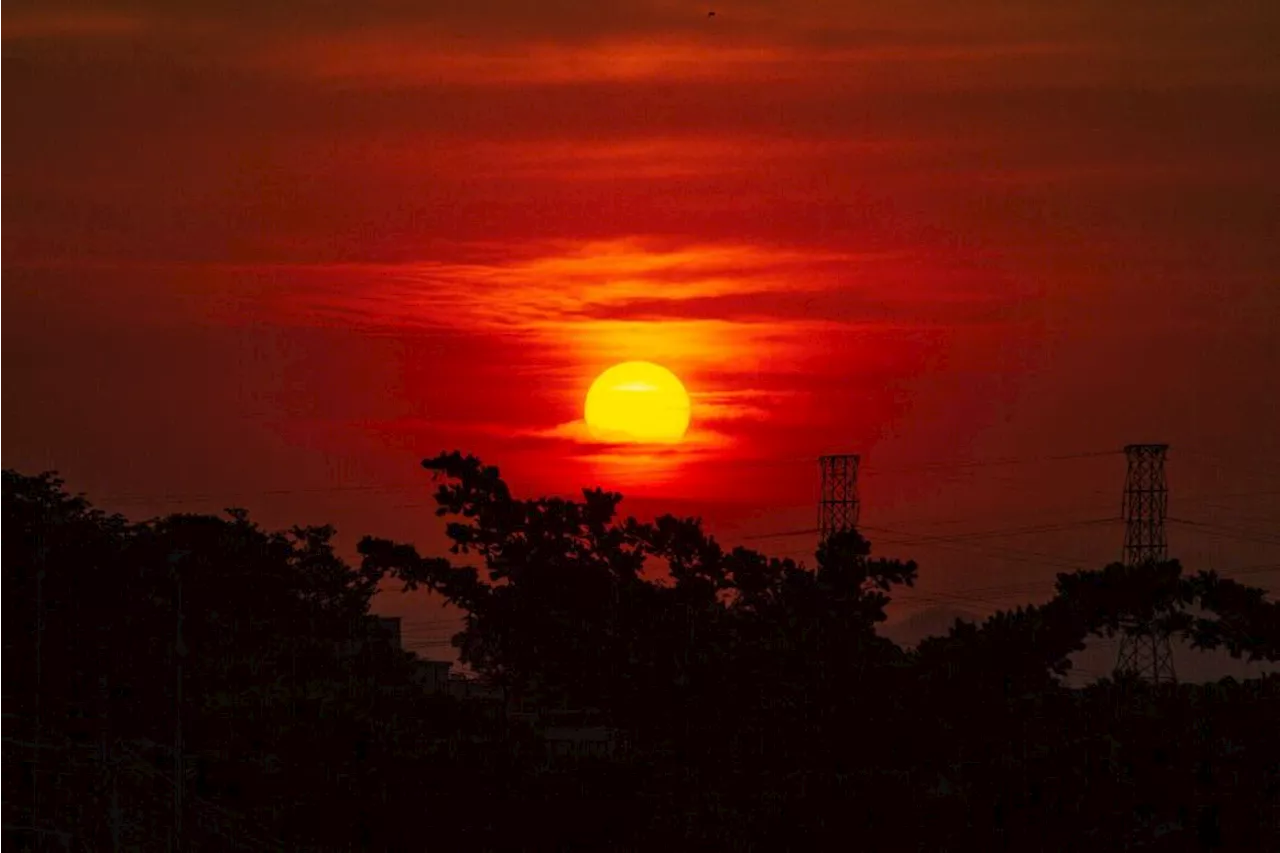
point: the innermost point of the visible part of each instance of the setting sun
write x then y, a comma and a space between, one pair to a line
638, 402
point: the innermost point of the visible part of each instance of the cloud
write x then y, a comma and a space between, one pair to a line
702, 309
552, 289
756, 332
708, 408
737, 403
698, 439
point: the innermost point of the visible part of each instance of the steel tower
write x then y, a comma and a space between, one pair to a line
838, 506
1147, 652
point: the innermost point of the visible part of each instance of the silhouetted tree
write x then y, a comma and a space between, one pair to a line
758, 703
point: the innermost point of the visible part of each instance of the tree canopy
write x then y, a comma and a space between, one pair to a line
753, 700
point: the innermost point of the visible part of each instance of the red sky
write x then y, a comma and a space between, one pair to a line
274, 254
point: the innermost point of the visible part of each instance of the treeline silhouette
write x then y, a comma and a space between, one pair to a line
199, 683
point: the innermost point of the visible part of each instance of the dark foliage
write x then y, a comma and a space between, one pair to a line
752, 703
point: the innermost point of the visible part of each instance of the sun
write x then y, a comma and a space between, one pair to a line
638, 402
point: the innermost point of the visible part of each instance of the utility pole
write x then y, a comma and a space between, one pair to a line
1147, 652
838, 507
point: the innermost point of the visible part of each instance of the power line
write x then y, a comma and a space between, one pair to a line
798, 532
984, 463
1261, 568
1252, 494
1015, 554
1053, 512
976, 534
803, 531
1242, 534
1249, 465
952, 543
1274, 521
947, 543
1010, 531
941, 540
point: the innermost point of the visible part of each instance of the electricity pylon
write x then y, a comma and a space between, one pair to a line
838, 506
1146, 652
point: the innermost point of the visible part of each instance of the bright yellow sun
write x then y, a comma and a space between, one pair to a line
639, 402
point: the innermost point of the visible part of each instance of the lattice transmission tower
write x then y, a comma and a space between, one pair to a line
1147, 652
838, 506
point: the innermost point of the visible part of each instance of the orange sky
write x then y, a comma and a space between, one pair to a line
258, 252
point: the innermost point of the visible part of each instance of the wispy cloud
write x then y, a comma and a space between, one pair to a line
691, 306
552, 288
582, 307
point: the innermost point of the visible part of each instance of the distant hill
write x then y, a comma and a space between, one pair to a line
934, 622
